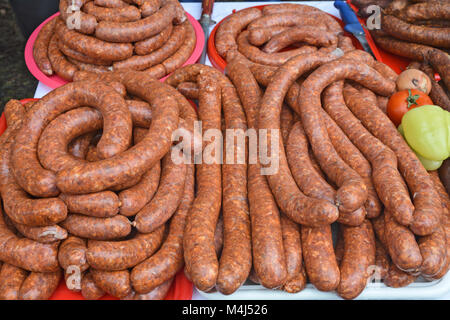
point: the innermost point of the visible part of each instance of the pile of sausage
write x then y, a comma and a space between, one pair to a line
154, 36
420, 31
90, 190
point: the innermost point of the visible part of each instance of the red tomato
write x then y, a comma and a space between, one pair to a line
403, 101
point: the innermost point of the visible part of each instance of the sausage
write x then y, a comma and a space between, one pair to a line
39, 286
427, 11
101, 204
176, 60
386, 178
100, 175
229, 29
115, 138
352, 192
134, 198
272, 59
433, 249
397, 278
71, 53
269, 261
72, 253
111, 3
293, 252
236, 258
427, 209
297, 206
116, 283
319, 258
93, 47
97, 228
89, 290
438, 37
79, 146
353, 157
402, 245
167, 197
25, 253
296, 284
40, 48
121, 14
259, 36
359, 255
60, 65
339, 247
136, 30
48, 234
158, 293
168, 260
304, 34
11, 279
76, 19
218, 236
120, 255
199, 254
440, 61
88, 66
437, 93
189, 90
153, 43
382, 103
18, 205
149, 7
142, 62
382, 260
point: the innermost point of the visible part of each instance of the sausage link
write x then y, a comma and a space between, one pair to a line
153, 43
157, 293
11, 279
199, 254
88, 66
259, 36
359, 255
402, 245
89, 290
427, 11
60, 65
164, 264
71, 53
122, 14
101, 204
319, 258
40, 48
111, 3
269, 260
141, 62
133, 31
304, 34
433, 249
47, 234
397, 278
382, 260
230, 28
72, 253
116, 283
427, 209
97, 228
93, 47
120, 255
115, 138
39, 286
100, 175
189, 90
72, 16
236, 258
437, 93
79, 146
297, 206
149, 7
25, 253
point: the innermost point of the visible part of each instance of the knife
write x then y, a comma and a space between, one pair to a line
206, 22
352, 24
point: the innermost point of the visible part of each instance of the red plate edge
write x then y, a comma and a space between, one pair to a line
181, 288
395, 62
55, 81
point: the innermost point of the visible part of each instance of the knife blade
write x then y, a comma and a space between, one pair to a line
206, 22
352, 24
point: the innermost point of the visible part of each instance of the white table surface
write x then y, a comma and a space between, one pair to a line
221, 10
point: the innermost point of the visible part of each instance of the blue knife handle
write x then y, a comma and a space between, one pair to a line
352, 24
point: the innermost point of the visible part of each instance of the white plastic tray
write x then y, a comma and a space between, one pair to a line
420, 290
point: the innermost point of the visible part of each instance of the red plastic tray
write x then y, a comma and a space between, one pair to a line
55, 81
181, 288
218, 62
